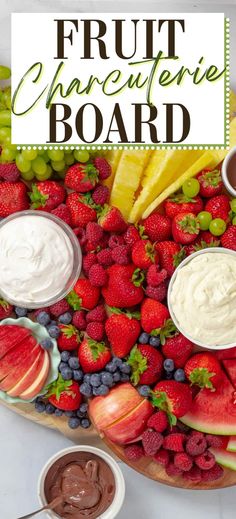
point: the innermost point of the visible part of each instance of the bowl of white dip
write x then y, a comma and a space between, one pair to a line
202, 298
40, 259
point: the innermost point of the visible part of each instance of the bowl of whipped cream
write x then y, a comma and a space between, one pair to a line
202, 298
40, 259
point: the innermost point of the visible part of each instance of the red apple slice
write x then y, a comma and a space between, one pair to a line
39, 382
10, 336
29, 376
18, 372
130, 426
16, 357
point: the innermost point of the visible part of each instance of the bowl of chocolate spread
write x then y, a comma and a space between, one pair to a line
229, 172
88, 480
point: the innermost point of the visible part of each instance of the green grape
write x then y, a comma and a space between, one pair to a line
234, 220
56, 155
81, 155
28, 175
5, 72
6, 97
45, 175
67, 152
191, 187
8, 155
45, 156
217, 226
5, 132
62, 173
39, 166
69, 159
40, 152
22, 164
29, 154
5, 118
233, 205
58, 165
204, 219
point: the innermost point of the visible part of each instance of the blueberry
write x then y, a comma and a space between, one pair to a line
87, 377
73, 362
84, 407
118, 362
86, 390
79, 414
21, 312
54, 331
179, 375
110, 367
107, 379
74, 422
50, 409
65, 318
169, 365
66, 373
40, 407
155, 341
125, 368
47, 344
69, 414
85, 423
95, 380
143, 338
43, 318
78, 375
65, 355
116, 376
52, 323
58, 412
144, 390
102, 390
124, 377
62, 366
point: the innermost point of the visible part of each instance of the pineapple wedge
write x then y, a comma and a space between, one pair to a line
127, 179
113, 157
163, 167
232, 103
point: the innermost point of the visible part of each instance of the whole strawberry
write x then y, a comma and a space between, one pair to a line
131, 235
111, 220
146, 364
5, 309
122, 331
170, 255
64, 394
210, 182
182, 204
103, 167
144, 254
62, 212
172, 397
84, 295
178, 348
204, 370
93, 356
69, 337
228, 239
185, 228
123, 288
47, 195
81, 177
81, 210
219, 207
13, 198
157, 227
153, 315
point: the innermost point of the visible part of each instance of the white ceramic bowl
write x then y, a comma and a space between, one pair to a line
117, 502
187, 260
224, 170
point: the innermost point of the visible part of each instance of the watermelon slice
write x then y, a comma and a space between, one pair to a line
224, 458
229, 353
230, 368
214, 412
231, 446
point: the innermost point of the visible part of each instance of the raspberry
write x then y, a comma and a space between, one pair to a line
172, 470
94, 233
104, 258
121, 255
97, 276
162, 457
212, 474
152, 441
115, 240
88, 261
174, 442
134, 452
95, 331
101, 195
183, 461
78, 319
81, 235
59, 308
196, 434
205, 461
98, 314
154, 276
194, 475
158, 421
171, 429
39, 310
90, 246
131, 235
158, 293
215, 441
196, 446
63, 212
103, 167
9, 172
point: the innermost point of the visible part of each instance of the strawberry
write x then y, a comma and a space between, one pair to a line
204, 240
170, 255
131, 235
123, 288
158, 421
219, 207
153, 315
81, 209
175, 398
103, 167
210, 182
157, 227
228, 239
69, 337
204, 370
185, 228
13, 198
81, 177
62, 212
178, 348
111, 219
182, 204
93, 356
122, 331
64, 394
144, 254
47, 195
146, 364
9, 172
84, 295
5, 309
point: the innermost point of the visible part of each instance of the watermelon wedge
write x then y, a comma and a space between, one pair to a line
224, 458
230, 368
230, 353
214, 412
231, 446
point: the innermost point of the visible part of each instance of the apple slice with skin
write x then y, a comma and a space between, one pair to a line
130, 426
22, 383
10, 336
16, 357
19, 370
39, 382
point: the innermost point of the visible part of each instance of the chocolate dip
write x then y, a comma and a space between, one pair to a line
231, 171
86, 482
